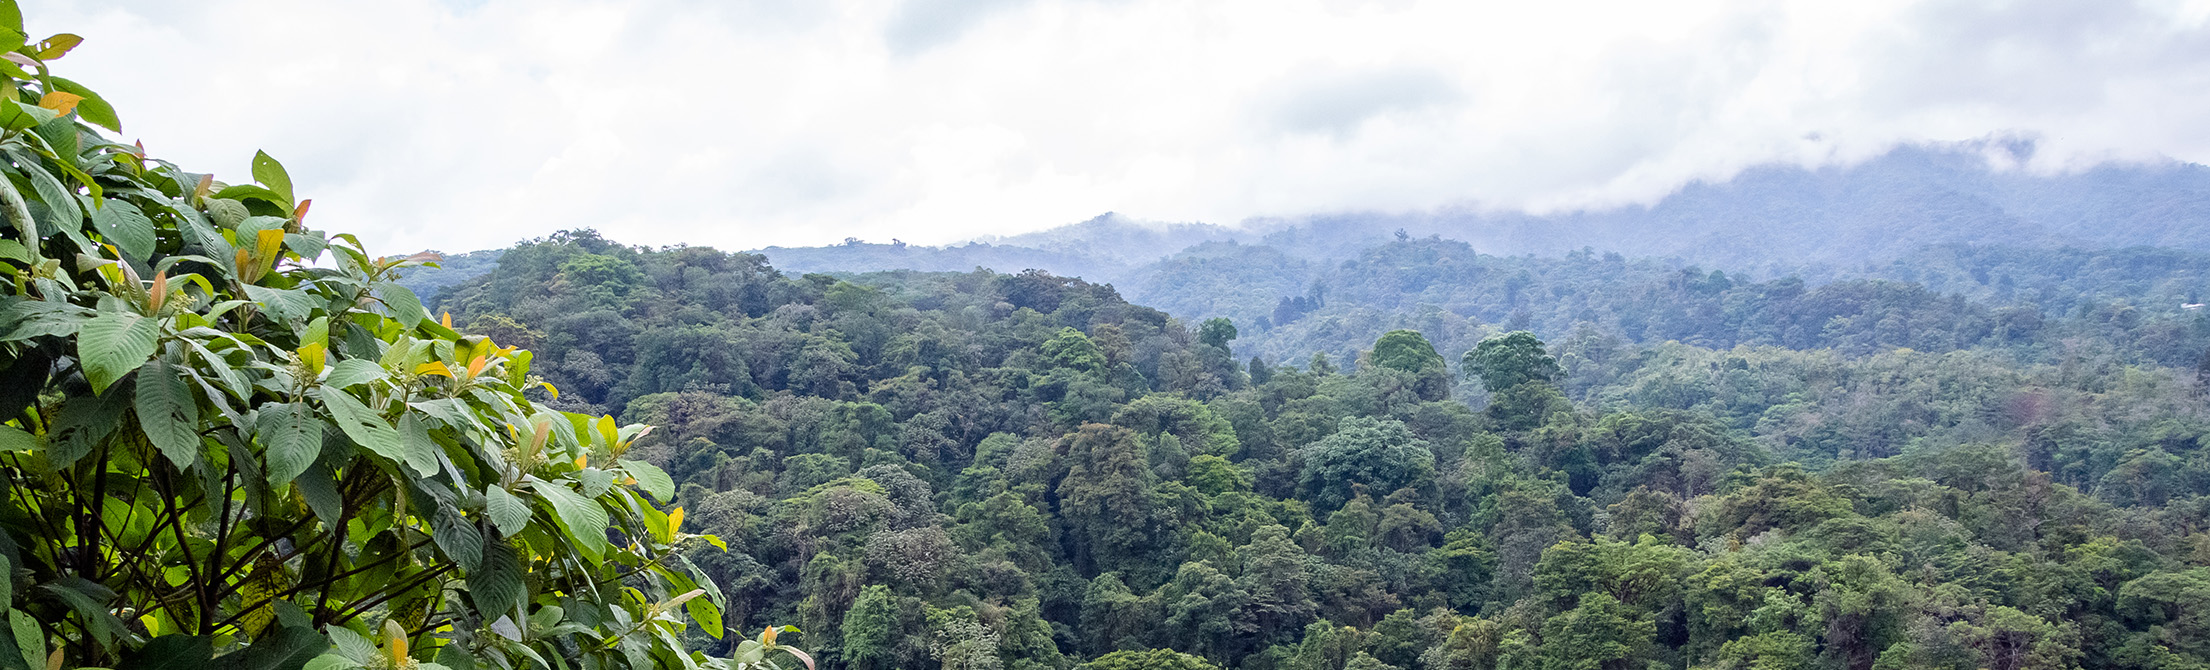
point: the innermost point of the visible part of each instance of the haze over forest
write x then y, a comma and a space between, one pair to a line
1536, 336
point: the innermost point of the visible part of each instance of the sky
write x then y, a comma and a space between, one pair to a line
469, 124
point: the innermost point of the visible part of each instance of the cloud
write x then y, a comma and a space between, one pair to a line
917, 25
1336, 103
460, 124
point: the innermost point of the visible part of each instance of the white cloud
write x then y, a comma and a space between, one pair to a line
469, 124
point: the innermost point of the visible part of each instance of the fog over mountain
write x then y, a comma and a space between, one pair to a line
1773, 218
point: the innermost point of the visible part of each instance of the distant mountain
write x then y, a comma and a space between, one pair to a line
1103, 248
428, 282
1784, 218
1770, 221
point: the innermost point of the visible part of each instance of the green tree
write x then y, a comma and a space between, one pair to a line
248, 439
1509, 360
1154, 659
1379, 454
871, 630
1409, 352
1599, 634
1216, 333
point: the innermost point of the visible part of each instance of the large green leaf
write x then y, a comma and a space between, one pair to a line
30, 640
582, 517
292, 435
353, 371
88, 601
280, 649
652, 479
113, 344
496, 583
82, 424
171, 652
244, 192
402, 302
421, 451
27, 319
282, 304
169, 413
16, 439
707, 614
62, 212
272, 175
457, 537
363, 425
320, 489
127, 228
508, 513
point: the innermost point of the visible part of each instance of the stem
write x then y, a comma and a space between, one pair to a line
222, 543
390, 593
91, 516
176, 524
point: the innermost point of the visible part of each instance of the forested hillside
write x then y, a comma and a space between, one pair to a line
984, 470
2137, 305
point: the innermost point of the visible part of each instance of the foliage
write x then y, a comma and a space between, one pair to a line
1087, 479
234, 440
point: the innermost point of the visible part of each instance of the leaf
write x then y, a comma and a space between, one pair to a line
363, 425
89, 601
92, 107
14, 439
458, 538
83, 423
508, 513
62, 213
422, 452
652, 479
496, 583
30, 640
169, 413
331, 662
353, 371
57, 46
23, 320
61, 102
10, 16
282, 304
402, 303
123, 225
292, 436
272, 175
113, 344
15, 115
582, 517
171, 652
595, 482
706, 614
243, 192
352, 645
282, 649
320, 489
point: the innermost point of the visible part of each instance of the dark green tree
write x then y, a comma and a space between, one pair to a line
1379, 454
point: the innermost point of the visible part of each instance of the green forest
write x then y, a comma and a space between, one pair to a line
234, 440
983, 470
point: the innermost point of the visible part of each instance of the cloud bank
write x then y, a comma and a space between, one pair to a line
463, 124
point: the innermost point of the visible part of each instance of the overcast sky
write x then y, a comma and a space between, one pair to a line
466, 124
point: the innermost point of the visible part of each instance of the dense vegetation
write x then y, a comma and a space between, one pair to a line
2037, 305
982, 470
230, 440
